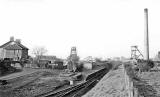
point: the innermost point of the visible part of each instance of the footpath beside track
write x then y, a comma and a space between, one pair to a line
111, 85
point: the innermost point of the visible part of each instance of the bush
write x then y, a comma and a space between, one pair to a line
5, 68
131, 72
144, 65
115, 64
80, 67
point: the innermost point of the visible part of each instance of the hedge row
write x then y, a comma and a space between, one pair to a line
144, 89
6, 68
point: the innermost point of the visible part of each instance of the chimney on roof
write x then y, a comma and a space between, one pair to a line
18, 41
11, 38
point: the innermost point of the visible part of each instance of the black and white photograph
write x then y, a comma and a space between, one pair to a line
79, 48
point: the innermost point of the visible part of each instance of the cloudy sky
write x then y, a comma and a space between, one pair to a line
100, 28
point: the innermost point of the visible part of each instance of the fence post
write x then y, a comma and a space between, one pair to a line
131, 87
136, 94
126, 81
129, 83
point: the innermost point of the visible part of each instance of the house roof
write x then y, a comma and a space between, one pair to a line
5, 44
22, 46
13, 45
47, 57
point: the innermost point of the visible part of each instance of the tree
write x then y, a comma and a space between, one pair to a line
145, 65
39, 51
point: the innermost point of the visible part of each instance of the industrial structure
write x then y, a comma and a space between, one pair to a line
135, 53
73, 60
146, 37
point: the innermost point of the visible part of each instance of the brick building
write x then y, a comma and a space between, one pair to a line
14, 50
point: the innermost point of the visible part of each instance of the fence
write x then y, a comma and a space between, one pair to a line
131, 90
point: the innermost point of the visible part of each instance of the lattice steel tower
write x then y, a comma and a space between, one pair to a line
73, 60
135, 53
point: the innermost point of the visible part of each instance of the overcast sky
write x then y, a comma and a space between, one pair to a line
100, 28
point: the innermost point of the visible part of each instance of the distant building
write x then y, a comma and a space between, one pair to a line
88, 62
89, 59
158, 55
87, 65
50, 59
13, 49
116, 58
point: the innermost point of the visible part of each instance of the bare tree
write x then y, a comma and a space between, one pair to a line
39, 51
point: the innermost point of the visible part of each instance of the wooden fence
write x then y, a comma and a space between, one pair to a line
131, 90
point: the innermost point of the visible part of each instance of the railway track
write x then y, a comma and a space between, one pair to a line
85, 89
76, 90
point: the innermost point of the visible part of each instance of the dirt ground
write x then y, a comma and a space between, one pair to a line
31, 84
21, 73
151, 84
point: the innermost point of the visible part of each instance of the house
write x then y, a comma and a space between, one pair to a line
87, 65
89, 59
14, 50
49, 61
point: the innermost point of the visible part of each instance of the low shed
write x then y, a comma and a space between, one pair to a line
87, 65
